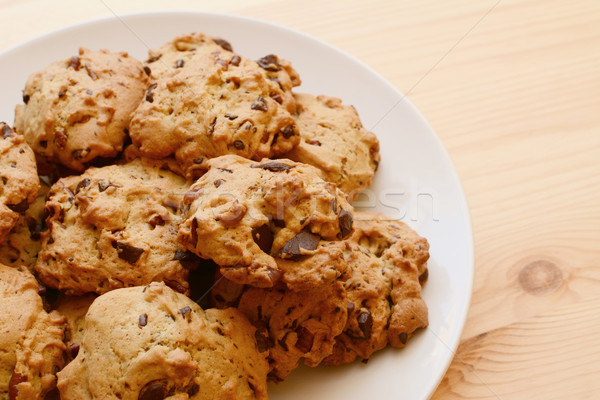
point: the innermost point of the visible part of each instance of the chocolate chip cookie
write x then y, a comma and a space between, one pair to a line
154, 343
267, 221
387, 264
334, 140
77, 110
74, 309
114, 227
215, 103
31, 340
19, 182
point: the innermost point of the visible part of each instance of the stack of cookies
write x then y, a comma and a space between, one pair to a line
182, 228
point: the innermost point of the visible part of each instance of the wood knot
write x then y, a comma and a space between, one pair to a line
540, 277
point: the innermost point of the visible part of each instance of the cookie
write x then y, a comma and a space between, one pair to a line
292, 326
266, 221
334, 140
114, 227
153, 343
216, 103
77, 110
387, 264
19, 183
74, 309
23, 243
31, 340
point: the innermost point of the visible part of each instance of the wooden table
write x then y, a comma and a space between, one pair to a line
513, 90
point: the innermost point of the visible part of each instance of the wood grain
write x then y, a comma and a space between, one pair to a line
513, 90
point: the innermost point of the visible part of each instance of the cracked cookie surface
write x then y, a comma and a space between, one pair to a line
267, 221
77, 110
215, 103
163, 345
31, 339
114, 227
19, 182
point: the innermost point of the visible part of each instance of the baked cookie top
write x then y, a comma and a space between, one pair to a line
153, 343
292, 326
19, 182
216, 103
114, 227
266, 221
23, 243
31, 339
334, 140
387, 264
77, 110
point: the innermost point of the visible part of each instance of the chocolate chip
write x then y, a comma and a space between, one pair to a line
238, 144
153, 59
276, 96
194, 232
172, 204
365, 323
21, 207
218, 182
350, 306
231, 117
273, 166
89, 92
263, 340
143, 320
156, 390
260, 104
270, 63
305, 339
304, 240
345, 223
62, 93
235, 60
180, 63
42, 289
187, 259
149, 95
222, 63
288, 131
82, 185
103, 185
73, 350
263, 237
74, 63
403, 337
423, 277
314, 142
176, 286
156, 220
147, 70
43, 144
77, 154
128, 253
91, 73
185, 311
223, 43
6, 131
26, 98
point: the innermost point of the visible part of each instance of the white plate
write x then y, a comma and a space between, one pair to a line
416, 181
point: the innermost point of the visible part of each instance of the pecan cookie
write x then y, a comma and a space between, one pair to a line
387, 264
334, 140
154, 343
31, 340
78, 109
267, 221
292, 326
215, 103
19, 183
23, 243
114, 227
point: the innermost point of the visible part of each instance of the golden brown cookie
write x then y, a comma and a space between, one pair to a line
267, 221
334, 140
114, 227
31, 340
387, 264
23, 243
74, 309
215, 103
77, 110
19, 183
153, 343
292, 326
